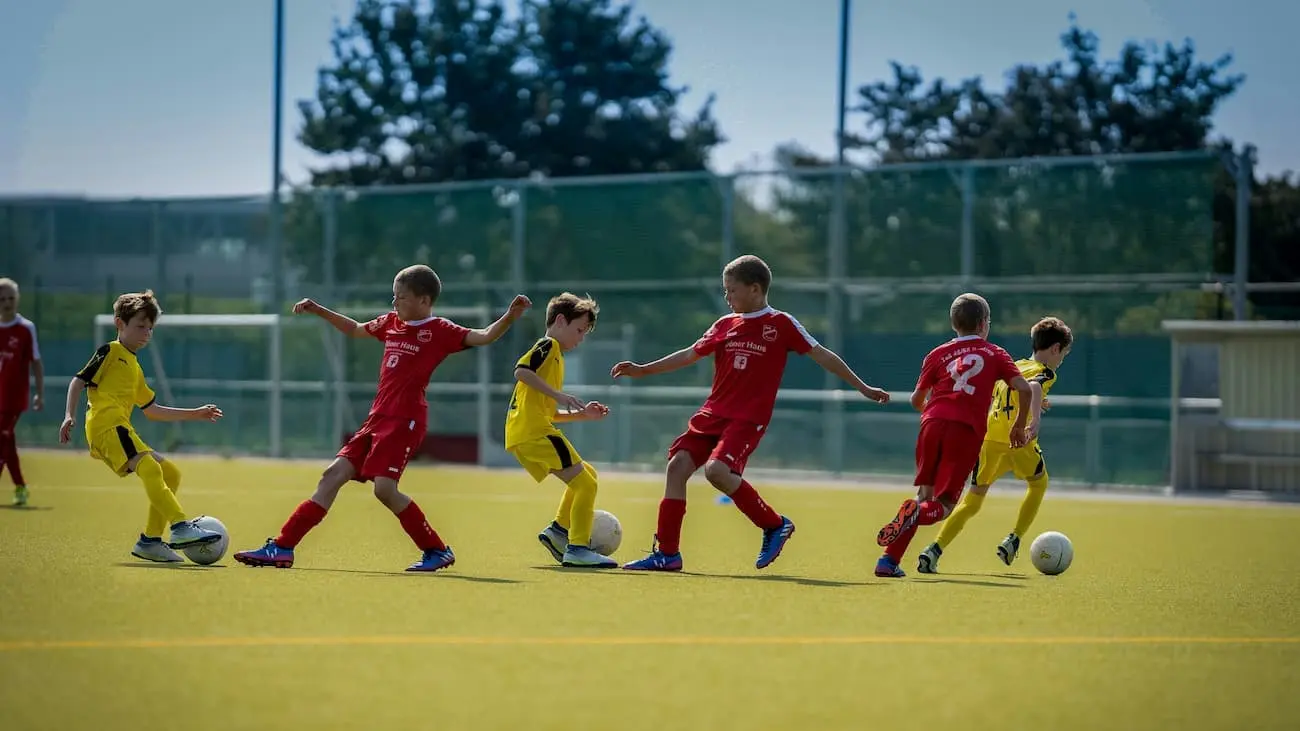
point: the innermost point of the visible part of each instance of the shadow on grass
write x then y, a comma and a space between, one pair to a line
966, 582
440, 574
24, 508
780, 578
169, 566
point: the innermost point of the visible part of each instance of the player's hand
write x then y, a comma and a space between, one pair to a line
65, 431
1019, 438
1046, 404
570, 403
518, 306
305, 305
1031, 432
627, 369
38, 403
208, 412
595, 410
875, 394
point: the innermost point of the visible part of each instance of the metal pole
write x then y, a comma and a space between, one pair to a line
844, 81
276, 244
1241, 273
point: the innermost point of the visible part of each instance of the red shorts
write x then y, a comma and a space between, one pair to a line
946, 453
382, 447
9, 422
714, 437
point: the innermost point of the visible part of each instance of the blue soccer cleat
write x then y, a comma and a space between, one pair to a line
433, 559
773, 541
905, 520
268, 555
153, 549
188, 533
556, 540
886, 568
656, 561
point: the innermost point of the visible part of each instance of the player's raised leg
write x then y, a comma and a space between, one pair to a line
577, 552
150, 546
147, 468
278, 551
434, 553
665, 553
776, 528
1035, 489
969, 507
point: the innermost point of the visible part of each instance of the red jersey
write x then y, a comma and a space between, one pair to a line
412, 350
18, 350
749, 353
961, 375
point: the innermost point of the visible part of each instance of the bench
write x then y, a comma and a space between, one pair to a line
1252, 460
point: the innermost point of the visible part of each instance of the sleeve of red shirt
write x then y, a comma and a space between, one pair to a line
927, 377
708, 342
796, 337
452, 335
375, 328
1007, 366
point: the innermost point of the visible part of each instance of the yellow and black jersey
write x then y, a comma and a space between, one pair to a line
1002, 412
115, 387
532, 413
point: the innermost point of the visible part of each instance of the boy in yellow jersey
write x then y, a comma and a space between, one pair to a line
540, 447
117, 387
1051, 340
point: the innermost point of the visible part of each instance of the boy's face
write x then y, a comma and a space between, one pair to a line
136, 332
408, 306
1054, 356
8, 302
742, 297
570, 334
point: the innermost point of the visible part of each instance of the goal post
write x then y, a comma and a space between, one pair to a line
315, 379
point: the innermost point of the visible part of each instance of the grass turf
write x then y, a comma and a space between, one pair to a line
1174, 615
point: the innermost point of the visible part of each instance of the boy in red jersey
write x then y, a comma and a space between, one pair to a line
415, 343
953, 395
749, 349
20, 359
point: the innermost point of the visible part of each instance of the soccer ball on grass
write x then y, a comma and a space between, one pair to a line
209, 553
606, 533
1051, 553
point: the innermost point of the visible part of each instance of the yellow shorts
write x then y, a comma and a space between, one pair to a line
997, 459
546, 454
116, 447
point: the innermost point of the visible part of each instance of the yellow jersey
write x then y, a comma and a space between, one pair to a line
1002, 412
532, 413
115, 386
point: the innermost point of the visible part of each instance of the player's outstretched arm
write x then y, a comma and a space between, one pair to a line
338, 321
666, 364
158, 412
565, 401
591, 412
75, 387
1025, 395
833, 363
493, 332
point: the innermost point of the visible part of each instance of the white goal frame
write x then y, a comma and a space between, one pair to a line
340, 391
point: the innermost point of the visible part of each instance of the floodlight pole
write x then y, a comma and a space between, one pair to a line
843, 81
276, 243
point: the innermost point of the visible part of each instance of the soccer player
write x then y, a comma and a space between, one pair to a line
20, 360
749, 349
953, 395
1051, 340
540, 447
415, 343
116, 387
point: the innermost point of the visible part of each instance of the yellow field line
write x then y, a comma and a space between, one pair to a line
234, 642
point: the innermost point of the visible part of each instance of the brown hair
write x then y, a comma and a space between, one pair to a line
420, 281
1051, 331
748, 270
967, 312
572, 307
130, 304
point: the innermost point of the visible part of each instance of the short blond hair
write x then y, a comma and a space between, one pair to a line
967, 312
7, 283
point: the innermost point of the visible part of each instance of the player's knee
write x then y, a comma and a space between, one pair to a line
980, 489
591, 471
1038, 483
681, 466
718, 473
387, 493
171, 474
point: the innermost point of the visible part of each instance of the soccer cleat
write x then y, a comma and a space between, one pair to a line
908, 513
1008, 548
268, 555
886, 568
928, 561
20, 496
188, 533
153, 549
584, 557
556, 540
773, 541
433, 560
656, 561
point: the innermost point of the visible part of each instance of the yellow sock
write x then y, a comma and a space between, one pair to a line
1029, 506
566, 502
161, 498
970, 505
583, 507
154, 526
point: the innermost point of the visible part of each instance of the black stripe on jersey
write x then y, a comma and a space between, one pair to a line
537, 356
91, 369
566, 459
1047, 375
152, 401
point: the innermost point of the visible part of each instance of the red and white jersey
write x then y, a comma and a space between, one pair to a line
412, 350
18, 350
749, 353
961, 375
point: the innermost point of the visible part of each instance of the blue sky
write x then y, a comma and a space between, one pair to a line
173, 97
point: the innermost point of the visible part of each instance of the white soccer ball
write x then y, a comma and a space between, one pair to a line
1051, 553
209, 553
606, 533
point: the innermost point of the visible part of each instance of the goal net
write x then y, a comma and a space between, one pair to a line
293, 386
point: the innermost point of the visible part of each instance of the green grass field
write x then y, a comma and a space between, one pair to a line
1174, 615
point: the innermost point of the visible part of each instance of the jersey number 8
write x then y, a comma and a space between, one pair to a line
974, 363
392, 360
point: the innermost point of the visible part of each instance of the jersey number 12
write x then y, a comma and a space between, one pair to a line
961, 378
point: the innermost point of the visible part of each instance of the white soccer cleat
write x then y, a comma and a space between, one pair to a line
583, 557
1008, 548
928, 561
153, 549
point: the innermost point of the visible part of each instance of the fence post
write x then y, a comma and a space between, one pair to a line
833, 411
967, 221
1092, 443
329, 271
159, 249
1241, 275
728, 184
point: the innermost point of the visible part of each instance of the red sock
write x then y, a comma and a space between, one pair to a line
896, 549
418, 528
931, 512
9, 457
307, 516
671, 514
751, 504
